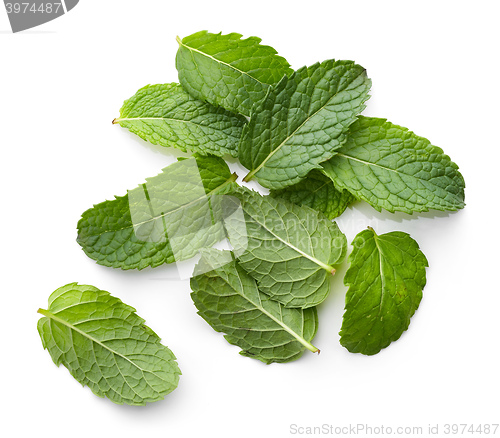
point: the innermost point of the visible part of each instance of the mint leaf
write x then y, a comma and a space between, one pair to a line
318, 192
385, 279
166, 115
229, 300
392, 168
302, 121
106, 346
288, 249
165, 220
228, 71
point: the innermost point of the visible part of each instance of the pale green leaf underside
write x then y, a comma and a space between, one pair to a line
229, 300
391, 168
302, 121
228, 71
385, 278
106, 346
318, 192
166, 115
288, 249
165, 220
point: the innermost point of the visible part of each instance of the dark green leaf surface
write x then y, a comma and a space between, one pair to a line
288, 249
385, 279
166, 115
106, 346
228, 71
165, 220
392, 168
302, 121
318, 192
229, 300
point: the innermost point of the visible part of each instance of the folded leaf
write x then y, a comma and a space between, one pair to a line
385, 279
302, 121
165, 220
166, 115
288, 249
318, 192
392, 168
106, 346
229, 300
228, 71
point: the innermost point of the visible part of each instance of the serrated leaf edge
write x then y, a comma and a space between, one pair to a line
179, 41
425, 264
340, 186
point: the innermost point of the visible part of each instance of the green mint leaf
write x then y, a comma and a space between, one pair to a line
302, 121
166, 115
167, 219
288, 249
229, 300
385, 279
228, 71
106, 346
392, 168
318, 192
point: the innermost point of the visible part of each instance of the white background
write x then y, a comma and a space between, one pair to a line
435, 69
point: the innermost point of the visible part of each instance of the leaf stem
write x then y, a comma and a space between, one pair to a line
328, 268
311, 347
231, 179
299, 338
249, 175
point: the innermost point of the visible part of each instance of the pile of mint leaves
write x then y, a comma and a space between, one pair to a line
300, 135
